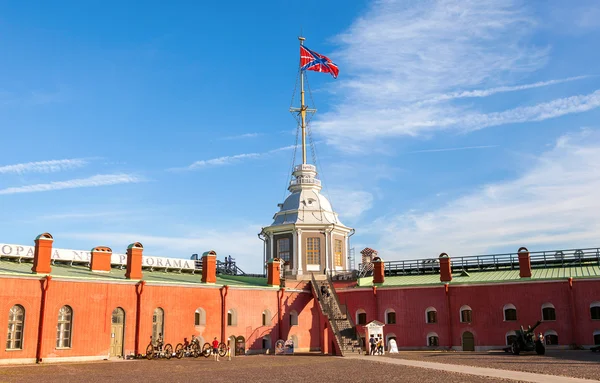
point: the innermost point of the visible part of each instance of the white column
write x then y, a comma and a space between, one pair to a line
299, 256
346, 253
327, 253
294, 252
271, 240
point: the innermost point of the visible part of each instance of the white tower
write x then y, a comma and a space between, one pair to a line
306, 233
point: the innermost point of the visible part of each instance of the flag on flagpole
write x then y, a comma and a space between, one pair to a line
311, 60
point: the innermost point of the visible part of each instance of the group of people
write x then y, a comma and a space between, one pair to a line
196, 341
376, 346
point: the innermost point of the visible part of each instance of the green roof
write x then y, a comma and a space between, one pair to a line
76, 272
495, 276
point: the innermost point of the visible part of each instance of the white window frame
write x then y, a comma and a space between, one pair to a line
429, 335
509, 306
465, 308
548, 305
201, 317
13, 328
592, 305
360, 311
427, 311
388, 311
61, 329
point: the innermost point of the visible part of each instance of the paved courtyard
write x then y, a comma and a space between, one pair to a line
577, 364
259, 368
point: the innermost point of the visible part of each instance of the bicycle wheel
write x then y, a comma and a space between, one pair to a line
222, 349
168, 351
179, 351
196, 352
206, 349
149, 351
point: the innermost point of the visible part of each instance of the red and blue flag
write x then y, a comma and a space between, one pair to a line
311, 60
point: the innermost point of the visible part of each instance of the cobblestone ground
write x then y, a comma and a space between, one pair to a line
260, 368
576, 364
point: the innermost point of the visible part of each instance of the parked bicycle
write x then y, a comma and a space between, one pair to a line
158, 350
188, 349
207, 349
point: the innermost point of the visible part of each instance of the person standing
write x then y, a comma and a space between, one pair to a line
372, 344
215, 346
228, 349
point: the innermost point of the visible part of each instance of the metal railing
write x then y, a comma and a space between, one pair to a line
299, 181
507, 261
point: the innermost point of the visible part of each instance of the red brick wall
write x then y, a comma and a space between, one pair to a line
487, 303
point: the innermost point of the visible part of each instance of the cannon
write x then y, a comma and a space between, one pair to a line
526, 340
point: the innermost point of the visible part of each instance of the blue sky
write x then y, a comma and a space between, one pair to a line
454, 126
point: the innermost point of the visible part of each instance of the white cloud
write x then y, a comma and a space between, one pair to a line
554, 203
94, 181
50, 166
229, 160
241, 242
406, 63
454, 149
500, 89
350, 203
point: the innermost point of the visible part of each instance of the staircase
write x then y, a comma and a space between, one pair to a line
339, 319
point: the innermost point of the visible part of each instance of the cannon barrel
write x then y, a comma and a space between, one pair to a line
535, 326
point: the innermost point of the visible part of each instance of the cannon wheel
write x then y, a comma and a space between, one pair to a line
206, 350
222, 349
179, 351
168, 351
514, 348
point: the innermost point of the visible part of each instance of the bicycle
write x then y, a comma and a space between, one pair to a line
187, 349
207, 349
153, 351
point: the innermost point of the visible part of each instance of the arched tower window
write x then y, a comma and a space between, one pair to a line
433, 340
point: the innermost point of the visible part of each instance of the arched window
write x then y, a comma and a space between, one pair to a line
266, 318
433, 340
548, 312
231, 317
63, 329
510, 312
158, 319
361, 317
597, 338
511, 336
430, 315
293, 318
551, 337
466, 314
16, 319
200, 317
390, 316
595, 310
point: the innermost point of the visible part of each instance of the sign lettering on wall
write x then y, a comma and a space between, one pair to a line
8, 250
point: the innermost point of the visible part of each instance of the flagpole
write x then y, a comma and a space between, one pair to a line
302, 109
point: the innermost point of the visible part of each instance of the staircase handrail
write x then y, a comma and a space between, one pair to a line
328, 312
